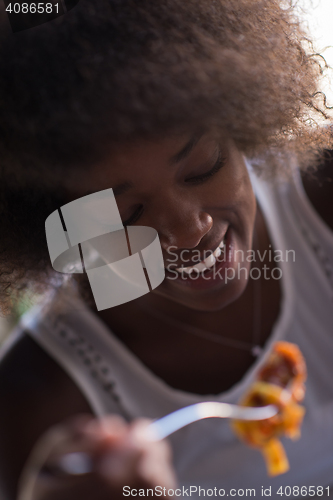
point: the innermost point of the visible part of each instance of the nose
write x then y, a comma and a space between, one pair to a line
182, 223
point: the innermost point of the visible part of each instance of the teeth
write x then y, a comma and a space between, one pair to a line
201, 266
217, 252
222, 244
206, 263
210, 260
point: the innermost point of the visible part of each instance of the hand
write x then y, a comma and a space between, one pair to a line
119, 455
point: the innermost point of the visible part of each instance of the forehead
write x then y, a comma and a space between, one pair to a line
129, 161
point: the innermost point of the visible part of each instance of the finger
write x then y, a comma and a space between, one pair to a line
69, 449
139, 459
111, 428
156, 463
84, 433
96, 438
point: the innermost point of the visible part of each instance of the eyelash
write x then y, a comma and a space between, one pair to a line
201, 178
193, 180
134, 217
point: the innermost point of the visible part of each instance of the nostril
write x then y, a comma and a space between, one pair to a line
184, 229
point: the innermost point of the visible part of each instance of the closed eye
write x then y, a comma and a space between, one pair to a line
202, 177
134, 217
192, 180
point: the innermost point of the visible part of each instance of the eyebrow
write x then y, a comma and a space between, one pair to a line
122, 188
181, 155
186, 150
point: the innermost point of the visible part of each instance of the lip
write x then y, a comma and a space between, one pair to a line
190, 262
210, 279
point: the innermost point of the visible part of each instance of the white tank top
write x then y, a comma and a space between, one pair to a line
207, 453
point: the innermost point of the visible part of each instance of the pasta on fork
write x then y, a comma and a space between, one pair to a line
281, 383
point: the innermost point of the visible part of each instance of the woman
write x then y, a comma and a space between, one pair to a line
168, 104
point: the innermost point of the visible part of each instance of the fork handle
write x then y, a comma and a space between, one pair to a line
163, 427
79, 463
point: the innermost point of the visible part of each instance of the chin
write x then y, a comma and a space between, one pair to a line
205, 300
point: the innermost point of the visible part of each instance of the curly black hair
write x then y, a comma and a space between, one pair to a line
117, 70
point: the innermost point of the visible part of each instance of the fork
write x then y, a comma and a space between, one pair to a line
163, 427
78, 463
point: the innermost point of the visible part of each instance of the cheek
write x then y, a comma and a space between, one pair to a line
229, 198
247, 201
241, 188
232, 192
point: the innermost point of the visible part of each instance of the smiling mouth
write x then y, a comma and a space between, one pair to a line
208, 263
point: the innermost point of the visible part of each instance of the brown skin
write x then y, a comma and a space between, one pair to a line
187, 214
190, 217
121, 455
37, 395
36, 391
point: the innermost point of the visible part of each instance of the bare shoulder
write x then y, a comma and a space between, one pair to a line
319, 188
35, 394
